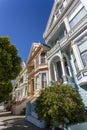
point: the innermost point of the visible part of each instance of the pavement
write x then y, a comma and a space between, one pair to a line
15, 122
18, 122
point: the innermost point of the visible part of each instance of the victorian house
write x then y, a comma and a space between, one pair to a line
20, 90
37, 79
66, 34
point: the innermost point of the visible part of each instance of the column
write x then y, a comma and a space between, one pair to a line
73, 65
32, 86
54, 69
77, 55
67, 24
40, 77
69, 71
49, 72
69, 66
39, 59
63, 69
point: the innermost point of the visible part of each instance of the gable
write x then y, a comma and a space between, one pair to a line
33, 51
52, 17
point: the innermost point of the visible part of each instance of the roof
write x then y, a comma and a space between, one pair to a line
45, 45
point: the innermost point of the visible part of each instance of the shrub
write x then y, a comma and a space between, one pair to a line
58, 104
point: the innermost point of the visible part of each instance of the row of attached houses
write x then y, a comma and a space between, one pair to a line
20, 90
63, 58
66, 33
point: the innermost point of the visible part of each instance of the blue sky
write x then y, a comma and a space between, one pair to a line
24, 21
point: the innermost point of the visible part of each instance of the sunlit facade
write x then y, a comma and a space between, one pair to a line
37, 79
66, 34
20, 90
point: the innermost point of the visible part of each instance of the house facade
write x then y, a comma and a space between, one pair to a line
20, 90
37, 79
66, 34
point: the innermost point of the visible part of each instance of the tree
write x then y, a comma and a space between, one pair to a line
10, 66
59, 104
5, 89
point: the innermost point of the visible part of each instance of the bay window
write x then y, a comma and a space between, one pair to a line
37, 82
77, 15
43, 58
83, 52
44, 80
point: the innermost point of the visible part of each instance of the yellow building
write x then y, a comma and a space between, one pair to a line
37, 79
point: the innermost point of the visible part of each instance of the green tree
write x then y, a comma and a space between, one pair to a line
59, 103
5, 89
10, 66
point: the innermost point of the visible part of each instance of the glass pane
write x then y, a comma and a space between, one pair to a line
44, 80
83, 47
84, 58
42, 58
37, 81
78, 17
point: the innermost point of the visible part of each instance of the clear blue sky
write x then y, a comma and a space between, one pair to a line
24, 21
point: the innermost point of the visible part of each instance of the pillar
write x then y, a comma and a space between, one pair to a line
67, 24
63, 68
77, 55
55, 71
49, 72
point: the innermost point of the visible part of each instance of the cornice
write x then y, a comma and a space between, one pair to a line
48, 32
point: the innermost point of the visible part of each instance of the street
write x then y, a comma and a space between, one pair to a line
14, 122
18, 122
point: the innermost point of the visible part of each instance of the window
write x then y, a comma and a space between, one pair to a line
26, 90
43, 58
78, 16
83, 52
84, 58
75, 63
21, 80
44, 80
37, 61
66, 66
37, 82
61, 8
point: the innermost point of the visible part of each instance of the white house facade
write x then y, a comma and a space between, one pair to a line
20, 90
66, 34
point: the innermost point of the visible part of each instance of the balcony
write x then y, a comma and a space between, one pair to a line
81, 26
41, 66
38, 68
82, 77
58, 46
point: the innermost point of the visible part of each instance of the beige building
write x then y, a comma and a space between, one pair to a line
20, 90
37, 79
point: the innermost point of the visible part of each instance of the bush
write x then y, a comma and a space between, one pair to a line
60, 104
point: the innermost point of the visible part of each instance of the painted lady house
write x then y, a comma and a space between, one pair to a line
20, 90
66, 34
37, 79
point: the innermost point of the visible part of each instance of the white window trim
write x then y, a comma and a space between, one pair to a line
75, 12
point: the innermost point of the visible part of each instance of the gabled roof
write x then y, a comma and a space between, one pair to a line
35, 49
45, 45
52, 15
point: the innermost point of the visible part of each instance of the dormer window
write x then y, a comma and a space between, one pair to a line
43, 58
